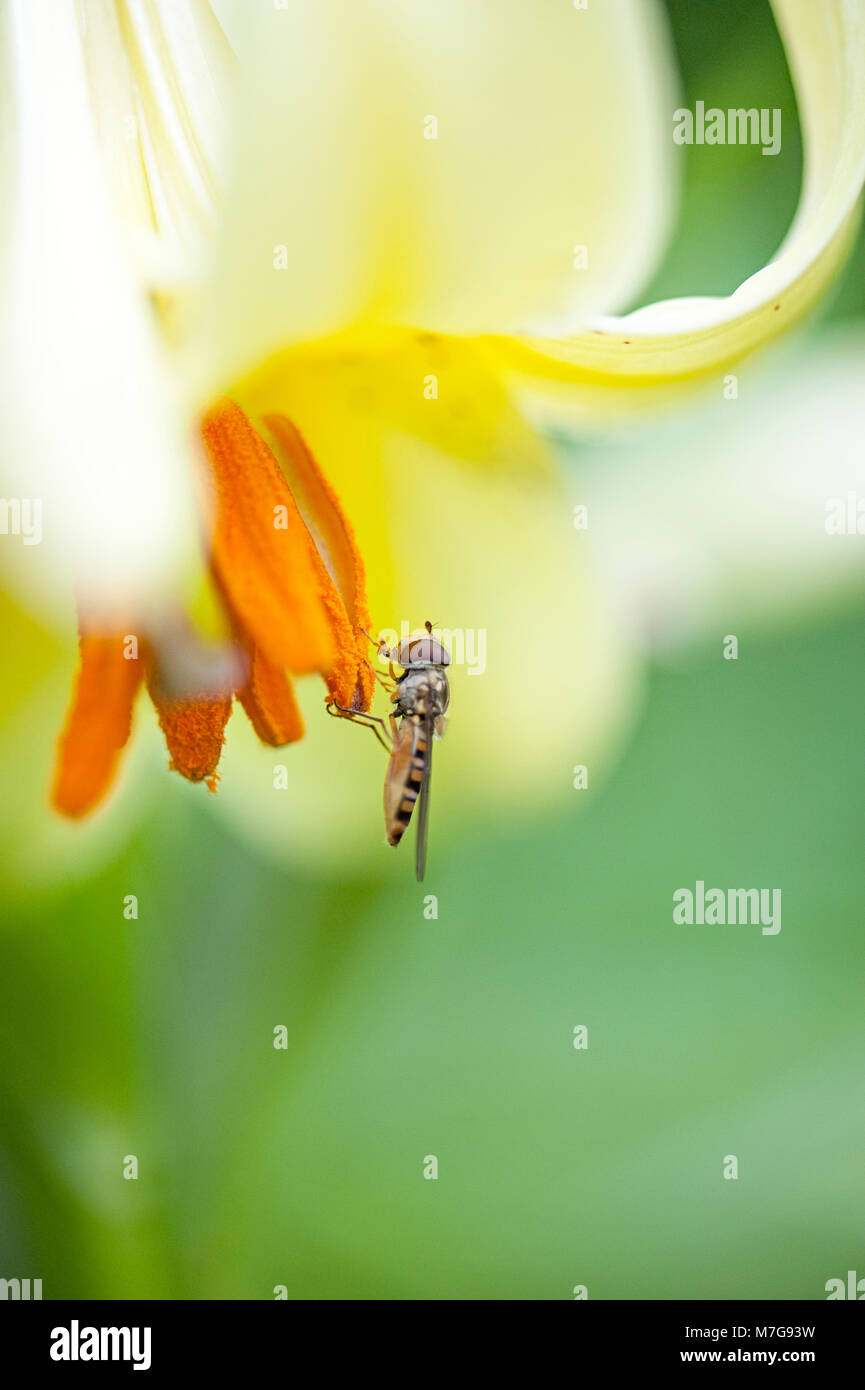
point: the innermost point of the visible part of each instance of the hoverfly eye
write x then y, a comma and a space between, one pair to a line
423, 651
436, 653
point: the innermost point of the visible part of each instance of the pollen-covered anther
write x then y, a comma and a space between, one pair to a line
261, 551
340, 570
270, 704
194, 731
97, 725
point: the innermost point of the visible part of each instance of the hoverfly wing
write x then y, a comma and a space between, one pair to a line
398, 800
423, 805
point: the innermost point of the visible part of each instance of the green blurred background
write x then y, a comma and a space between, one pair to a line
408, 1037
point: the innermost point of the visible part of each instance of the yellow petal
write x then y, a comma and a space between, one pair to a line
552, 134
683, 340
349, 394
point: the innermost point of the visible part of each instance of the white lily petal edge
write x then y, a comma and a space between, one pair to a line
681, 338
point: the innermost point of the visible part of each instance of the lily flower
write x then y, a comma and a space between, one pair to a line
368, 233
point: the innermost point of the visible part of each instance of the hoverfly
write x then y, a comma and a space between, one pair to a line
420, 697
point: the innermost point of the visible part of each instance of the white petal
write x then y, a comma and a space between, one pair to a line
552, 134
160, 83
88, 423
718, 520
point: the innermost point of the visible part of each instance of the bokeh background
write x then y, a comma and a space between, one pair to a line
407, 1036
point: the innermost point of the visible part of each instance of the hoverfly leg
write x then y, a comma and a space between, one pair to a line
366, 721
385, 684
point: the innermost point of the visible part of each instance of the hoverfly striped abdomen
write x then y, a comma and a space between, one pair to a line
405, 775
